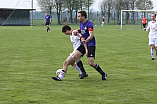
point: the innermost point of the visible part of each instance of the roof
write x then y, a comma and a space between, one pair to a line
15, 9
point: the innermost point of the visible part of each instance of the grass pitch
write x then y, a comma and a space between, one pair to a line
30, 56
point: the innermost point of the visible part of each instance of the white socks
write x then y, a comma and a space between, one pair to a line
77, 68
61, 75
152, 53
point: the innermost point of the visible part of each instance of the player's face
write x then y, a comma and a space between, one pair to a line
67, 32
80, 18
153, 17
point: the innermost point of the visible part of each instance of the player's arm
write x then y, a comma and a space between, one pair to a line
90, 35
85, 45
50, 19
82, 40
148, 27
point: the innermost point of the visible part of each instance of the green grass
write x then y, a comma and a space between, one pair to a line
30, 56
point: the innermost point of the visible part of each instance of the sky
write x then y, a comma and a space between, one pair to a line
26, 4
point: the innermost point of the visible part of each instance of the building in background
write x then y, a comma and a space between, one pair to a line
14, 17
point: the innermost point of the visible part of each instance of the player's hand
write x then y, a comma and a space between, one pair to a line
86, 52
75, 32
84, 41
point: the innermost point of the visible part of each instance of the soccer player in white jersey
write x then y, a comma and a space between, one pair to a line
76, 41
152, 25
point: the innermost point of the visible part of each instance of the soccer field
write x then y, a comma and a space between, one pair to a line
30, 56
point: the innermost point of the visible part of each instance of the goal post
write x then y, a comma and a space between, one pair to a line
122, 11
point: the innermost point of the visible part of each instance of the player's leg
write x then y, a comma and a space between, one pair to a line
151, 43
152, 52
102, 23
91, 57
78, 53
47, 28
143, 25
155, 45
68, 61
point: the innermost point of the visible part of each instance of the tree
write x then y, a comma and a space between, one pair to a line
144, 5
59, 6
46, 5
133, 4
87, 4
106, 8
75, 5
70, 6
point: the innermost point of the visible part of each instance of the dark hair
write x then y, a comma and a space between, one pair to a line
66, 27
83, 13
154, 14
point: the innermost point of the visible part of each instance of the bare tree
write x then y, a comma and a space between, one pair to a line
144, 5
59, 6
46, 5
106, 8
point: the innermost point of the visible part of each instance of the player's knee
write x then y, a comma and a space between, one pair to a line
66, 63
152, 47
76, 58
91, 63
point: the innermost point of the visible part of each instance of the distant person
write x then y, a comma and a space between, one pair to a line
152, 25
144, 21
48, 21
103, 19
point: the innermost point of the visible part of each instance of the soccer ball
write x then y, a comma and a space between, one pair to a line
58, 72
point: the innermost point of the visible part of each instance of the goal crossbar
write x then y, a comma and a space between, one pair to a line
134, 11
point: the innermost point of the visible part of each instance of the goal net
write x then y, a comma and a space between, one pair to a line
132, 19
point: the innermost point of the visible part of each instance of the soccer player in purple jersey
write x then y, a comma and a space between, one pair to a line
48, 21
86, 27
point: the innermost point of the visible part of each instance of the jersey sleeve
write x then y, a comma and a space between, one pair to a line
79, 35
90, 26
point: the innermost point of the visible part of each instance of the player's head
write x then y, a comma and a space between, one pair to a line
143, 16
153, 16
46, 13
82, 15
66, 30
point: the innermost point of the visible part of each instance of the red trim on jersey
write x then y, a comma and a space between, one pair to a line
71, 32
90, 29
80, 36
153, 21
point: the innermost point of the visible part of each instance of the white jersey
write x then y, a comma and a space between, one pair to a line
75, 41
152, 25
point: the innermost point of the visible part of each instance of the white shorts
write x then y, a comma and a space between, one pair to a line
71, 54
153, 41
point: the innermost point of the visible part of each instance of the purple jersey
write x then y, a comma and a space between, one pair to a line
85, 32
47, 18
